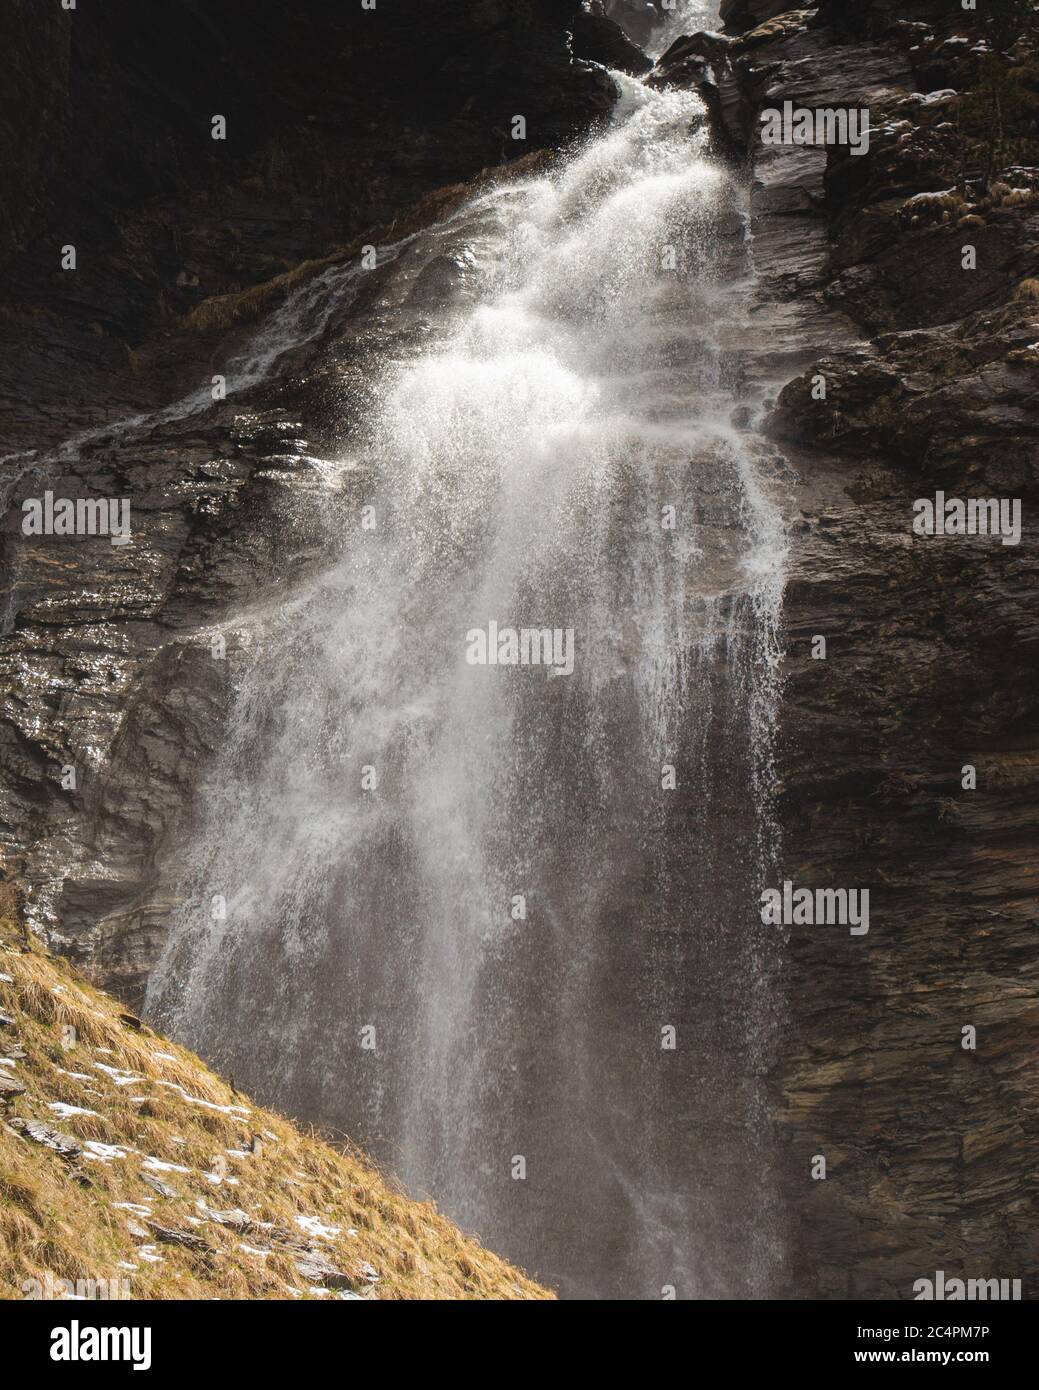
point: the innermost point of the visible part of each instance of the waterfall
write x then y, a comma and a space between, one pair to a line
686, 17
453, 909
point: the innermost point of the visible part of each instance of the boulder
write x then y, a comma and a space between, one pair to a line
599, 39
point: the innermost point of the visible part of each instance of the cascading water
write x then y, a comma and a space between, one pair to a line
683, 17
464, 903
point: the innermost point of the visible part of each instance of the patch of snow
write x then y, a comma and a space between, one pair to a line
158, 1166
66, 1112
121, 1078
102, 1153
135, 1207
313, 1227
217, 1178
209, 1104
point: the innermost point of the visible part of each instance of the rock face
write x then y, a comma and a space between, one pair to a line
602, 39
929, 376
745, 14
116, 661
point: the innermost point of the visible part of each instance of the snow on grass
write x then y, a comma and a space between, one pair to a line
209, 1104
121, 1078
102, 1153
158, 1166
313, 1227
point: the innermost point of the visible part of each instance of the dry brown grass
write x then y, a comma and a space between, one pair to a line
60, 1216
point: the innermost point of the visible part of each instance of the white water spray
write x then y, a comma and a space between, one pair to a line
484, 864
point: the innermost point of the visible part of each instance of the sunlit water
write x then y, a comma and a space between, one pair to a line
563, 454
687, 17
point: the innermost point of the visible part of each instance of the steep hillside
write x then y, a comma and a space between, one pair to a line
123, 1158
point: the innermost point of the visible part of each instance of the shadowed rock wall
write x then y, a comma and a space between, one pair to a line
929, 371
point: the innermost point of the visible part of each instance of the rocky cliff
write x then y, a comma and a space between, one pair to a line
909, 365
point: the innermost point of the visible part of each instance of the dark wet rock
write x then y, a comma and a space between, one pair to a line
878, 18
599, 39
739, 15
935, 397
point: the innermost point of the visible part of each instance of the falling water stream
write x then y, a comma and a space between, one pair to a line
459, 911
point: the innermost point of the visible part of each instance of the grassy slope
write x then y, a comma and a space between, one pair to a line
286, 1202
